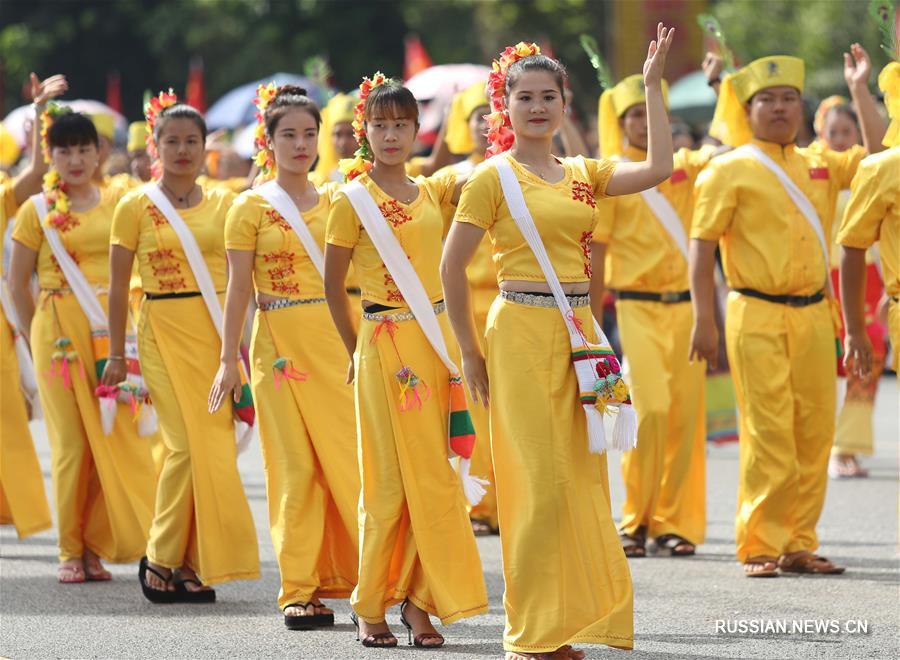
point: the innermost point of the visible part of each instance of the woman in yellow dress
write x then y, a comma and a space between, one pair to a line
416, 543
202, 532
103, 484
306, 414
558, 539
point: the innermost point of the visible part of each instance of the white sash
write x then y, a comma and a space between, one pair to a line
666, 215
807, 210
282, 202
398, 265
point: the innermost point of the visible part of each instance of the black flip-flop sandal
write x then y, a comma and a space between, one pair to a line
668, 544
307, 621
185, 595
154, 595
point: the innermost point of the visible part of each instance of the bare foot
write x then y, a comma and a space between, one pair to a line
761, 567
367, 630
70, 571
154, 582
189, 579
93, 569
568, 653
521, 655
419, 623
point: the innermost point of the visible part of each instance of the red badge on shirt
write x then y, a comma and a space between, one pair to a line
678, 176
818, 173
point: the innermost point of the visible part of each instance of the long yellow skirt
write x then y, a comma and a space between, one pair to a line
135, 299
202, 518
782, 361
665, 475
307, 430
567, 579
23, 502
486, 510
416, 541
103, 486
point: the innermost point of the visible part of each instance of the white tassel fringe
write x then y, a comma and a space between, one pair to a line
473, 486
625, 429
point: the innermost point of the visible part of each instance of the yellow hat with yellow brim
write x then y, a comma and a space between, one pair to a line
613, 104
889, 84
458, 136
105, 125
338, 110
137, 136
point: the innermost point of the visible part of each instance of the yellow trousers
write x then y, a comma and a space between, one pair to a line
307, 431
783, 364
23, 502
103, 485
416, 540
202, 518
486, 510
665, 475
567, 579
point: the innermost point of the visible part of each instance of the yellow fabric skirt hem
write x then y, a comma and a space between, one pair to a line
400, 596
30, 531
121, 559
624, 643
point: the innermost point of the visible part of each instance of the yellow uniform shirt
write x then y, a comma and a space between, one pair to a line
873, 214
565, 214
124, 182
139, 226
281, 265
419, 227
235, 184
641, 254
85, 237
767, 244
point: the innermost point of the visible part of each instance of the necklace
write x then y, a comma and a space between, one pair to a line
181, 199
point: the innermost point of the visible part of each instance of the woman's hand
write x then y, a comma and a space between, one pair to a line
656, 56
475, 372
228, 379
857, 66
705, 342
114, 372
44, 90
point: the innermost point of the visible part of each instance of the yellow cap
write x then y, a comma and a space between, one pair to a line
730, 123
338, 110
137, 136
458, 136
9, 148
105, 125
613, 104
821, 112
889, 84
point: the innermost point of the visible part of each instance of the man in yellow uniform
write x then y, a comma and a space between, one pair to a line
644, 241
769, 205
873, 214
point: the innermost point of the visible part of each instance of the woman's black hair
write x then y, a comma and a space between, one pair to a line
536, 63
392, 99
844, 109
286, 98
178, 111
72, 129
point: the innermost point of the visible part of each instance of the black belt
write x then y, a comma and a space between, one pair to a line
790, 301
166, 296
353, 291
374, 308
666, 297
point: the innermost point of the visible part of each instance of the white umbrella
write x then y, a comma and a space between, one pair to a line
15, 121
436, 85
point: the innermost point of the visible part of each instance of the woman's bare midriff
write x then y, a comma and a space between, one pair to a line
524, 286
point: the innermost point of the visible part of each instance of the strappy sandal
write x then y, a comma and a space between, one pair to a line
419, 640
673, 546
769, 567
308, 621
809, 564
185, 595
69, 573
94, 571
372, 641
161, 596
634, 545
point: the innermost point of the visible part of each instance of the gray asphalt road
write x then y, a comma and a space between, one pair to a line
684, 608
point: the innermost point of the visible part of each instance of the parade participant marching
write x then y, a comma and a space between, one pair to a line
770, 205
336, 139
547, 440
416, 543
202, 531
643, 241
274, 235
103, 478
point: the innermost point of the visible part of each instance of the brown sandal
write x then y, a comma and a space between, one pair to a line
769, 567
634, 545
374, 640
674, 546
809, 564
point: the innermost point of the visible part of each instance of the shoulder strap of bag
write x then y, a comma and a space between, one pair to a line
282, 202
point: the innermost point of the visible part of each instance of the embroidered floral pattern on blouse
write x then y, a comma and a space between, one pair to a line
172, 284
156, 216
63, 222
275, 218
155, 256
170, 268
63, 282
286, 288
394, 213
585, 242
395, 296
279, 256
281, 272
583, 192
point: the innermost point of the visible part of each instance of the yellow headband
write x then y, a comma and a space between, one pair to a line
613, 104
889, 84
730, 123
105, 125
338, 110
458, 136
822, 111
137, 136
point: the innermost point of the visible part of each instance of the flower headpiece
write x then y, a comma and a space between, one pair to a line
151, 112
500, 135
265, 159
362, 157
51, 112
58, 215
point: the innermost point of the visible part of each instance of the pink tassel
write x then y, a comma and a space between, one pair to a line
284, 370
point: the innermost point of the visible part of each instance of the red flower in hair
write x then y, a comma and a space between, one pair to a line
500, 135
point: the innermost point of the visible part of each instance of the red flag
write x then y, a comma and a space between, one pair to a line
416, 58
114, 91
195, 94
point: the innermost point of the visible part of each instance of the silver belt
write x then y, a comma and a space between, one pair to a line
402, 316
284, 302
543, 301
